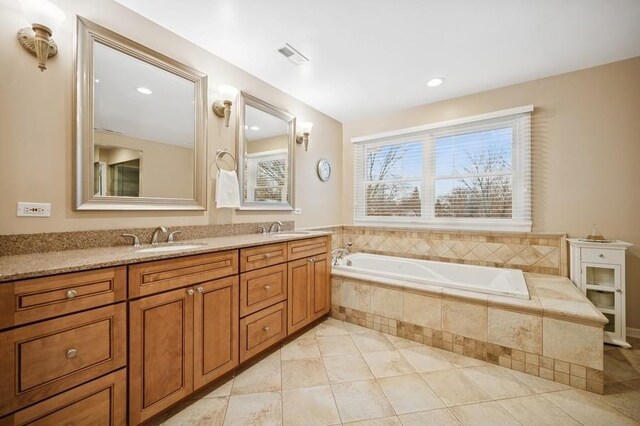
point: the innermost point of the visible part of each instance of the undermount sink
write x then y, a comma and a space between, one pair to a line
170, 248
290, 234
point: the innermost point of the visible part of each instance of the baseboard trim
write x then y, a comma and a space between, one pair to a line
633, 332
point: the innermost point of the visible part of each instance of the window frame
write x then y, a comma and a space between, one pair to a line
427, 134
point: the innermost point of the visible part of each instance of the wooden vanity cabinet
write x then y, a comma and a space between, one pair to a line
309, 284
181, 339
191, 320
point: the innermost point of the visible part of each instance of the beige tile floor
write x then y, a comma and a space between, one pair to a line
339, 373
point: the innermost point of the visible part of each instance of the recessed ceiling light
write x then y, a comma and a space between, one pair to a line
254, 128
246, 127
97, 80
435, 82
144, 90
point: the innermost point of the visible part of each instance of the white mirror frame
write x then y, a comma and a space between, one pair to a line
87, 33
247, 99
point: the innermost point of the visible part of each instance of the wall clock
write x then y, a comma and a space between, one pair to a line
324, 169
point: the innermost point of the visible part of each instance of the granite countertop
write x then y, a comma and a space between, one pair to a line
56, 262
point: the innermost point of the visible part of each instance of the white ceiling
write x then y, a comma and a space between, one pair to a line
166, 115
371, 56
267, 125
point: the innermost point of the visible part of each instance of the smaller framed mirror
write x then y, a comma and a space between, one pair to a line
265, 148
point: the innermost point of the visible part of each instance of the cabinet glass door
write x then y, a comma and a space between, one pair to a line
600, 275
602, 299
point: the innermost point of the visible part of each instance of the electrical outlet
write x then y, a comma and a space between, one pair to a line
297, 210
34, 209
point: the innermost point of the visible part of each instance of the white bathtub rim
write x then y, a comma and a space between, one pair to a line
468, 291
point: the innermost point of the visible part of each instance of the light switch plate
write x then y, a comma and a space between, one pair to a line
34, 209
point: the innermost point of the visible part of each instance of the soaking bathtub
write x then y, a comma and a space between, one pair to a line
482, 279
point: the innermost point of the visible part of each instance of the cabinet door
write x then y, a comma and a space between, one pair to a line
216, 314
299, 294
321, 293
160, 352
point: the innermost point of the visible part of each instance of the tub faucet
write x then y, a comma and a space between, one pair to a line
275, 227
339, 253
160, 230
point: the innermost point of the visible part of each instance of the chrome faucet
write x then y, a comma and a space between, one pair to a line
339, 253
160, 230
275, 227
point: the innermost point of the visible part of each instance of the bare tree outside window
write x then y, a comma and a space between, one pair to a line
393, 180
487, 194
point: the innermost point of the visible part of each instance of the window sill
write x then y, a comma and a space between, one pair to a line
472, 225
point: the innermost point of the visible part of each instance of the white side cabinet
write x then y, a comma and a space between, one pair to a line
598, 270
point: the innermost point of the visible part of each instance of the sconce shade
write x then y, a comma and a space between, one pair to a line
305, 127
228, 93
42, 12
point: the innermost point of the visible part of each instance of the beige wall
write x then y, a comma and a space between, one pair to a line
268, 144
586, 152
36, 145
165, 170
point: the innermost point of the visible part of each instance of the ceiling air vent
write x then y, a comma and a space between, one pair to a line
292, 54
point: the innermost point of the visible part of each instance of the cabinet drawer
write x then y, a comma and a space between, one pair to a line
36, 299
262, 256
262, 288
100, 402
305, 248
262, 330
43, 359
155, 277
602, 255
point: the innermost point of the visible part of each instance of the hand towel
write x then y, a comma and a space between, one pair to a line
227, 190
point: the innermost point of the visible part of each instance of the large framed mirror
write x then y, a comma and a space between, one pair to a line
265, 147
140, 129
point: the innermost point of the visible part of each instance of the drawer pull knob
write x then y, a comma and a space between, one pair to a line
601, 255
200, 290
267, 287
266, 329
190, 292
71, 294
71, 353
267, 255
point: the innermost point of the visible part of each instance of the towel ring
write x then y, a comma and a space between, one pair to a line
221, 153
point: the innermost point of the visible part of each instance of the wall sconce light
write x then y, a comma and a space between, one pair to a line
222, 107
305, 129
44, 17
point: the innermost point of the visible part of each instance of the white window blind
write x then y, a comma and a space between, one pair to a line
474, 174
265, 175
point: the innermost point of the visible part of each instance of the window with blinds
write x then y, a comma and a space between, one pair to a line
472, 173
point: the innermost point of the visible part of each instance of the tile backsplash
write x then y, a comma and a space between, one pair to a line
543, 253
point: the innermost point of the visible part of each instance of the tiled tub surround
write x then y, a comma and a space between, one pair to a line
542, 253
15, 244
556, 335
